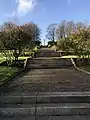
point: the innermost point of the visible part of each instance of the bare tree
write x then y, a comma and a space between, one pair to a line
61, 30
51, 32
70, 28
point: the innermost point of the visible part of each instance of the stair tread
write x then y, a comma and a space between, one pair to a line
86, 117
18, 118
64, 105
17, 106
47, 94
49, 105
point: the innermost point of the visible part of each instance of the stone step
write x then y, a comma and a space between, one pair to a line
47, 67
18, 118
45, 97
18, 98
44, 66
42, 63
61, 109
8, 110
49, 63
63, 97
86, 117
52, 63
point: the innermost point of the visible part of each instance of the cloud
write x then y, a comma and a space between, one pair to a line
23, 6
13, 14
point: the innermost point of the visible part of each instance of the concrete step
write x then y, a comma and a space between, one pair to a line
48, 67
9, 110
49, 63
63, 97
18, 118
63, 117
45, 97
86, 117
61, 109
18, 98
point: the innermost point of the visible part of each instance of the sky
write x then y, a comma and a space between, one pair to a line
44, 12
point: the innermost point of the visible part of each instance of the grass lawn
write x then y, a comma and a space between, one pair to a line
2, 60
69, 56
86, 68
72, 56
23, 58
20, 58
6, 72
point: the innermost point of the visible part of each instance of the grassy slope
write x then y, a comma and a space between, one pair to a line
2, 60
86, 68
6, 72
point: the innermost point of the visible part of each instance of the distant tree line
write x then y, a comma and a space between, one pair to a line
70, 36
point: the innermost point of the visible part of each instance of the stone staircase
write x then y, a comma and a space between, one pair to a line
42, 63
47, 53
19, 101
45, 105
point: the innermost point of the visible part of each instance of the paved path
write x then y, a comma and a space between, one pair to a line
49, 118
49, 80
25, 95
44, 80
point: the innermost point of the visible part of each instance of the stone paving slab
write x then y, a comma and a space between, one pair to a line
17, 99
15, 110
62, 97
45, 97
64, 109
63, 118
58, 80
18, 118
47, 118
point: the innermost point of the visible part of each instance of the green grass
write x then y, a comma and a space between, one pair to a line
23, 58
86, 68
6, 72
72, 56
69, 56
20, 58
2, 60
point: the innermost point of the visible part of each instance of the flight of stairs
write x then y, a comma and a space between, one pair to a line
48, 63
44, 105
46, 52
32, 106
